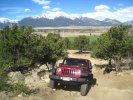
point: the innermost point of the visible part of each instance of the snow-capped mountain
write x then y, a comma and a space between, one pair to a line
52, 21
6, 20
113, 21
57, 19
129, 22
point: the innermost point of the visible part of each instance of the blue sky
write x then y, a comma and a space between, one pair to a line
98, 9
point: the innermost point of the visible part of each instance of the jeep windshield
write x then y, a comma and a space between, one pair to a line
73, 61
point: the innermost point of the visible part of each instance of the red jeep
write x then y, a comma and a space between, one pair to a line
73, 71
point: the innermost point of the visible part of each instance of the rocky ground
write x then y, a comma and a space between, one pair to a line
113, 86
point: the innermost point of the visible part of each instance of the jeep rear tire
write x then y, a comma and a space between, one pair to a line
52, 84
84, 89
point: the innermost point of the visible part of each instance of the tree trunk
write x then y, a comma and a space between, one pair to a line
47, 67
110, 62
53, 63
117, 63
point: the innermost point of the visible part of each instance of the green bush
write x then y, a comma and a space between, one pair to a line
19, 48
81, 43
114, 45
4, 86
67, 43
14, 88
20, 88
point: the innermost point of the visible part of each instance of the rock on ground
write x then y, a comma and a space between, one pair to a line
4, 96
16, 77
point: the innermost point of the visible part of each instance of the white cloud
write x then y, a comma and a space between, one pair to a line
41, 2
46, 7
123, 14
27, 10
56, 9
102, 8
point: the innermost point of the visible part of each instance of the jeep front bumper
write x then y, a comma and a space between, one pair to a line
68, 79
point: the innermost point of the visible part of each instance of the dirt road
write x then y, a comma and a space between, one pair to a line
109, 87
113, 86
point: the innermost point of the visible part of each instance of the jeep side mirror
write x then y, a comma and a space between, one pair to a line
90, 66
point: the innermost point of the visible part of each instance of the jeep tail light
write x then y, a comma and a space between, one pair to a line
58, 71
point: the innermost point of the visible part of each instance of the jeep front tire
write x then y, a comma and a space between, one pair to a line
52, 84
84, 89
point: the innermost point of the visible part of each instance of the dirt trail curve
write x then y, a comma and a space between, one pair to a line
109, 87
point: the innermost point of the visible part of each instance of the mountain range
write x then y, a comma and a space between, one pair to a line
62, 21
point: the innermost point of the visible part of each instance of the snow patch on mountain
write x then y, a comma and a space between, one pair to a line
110, 20
7, 20
53, 15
